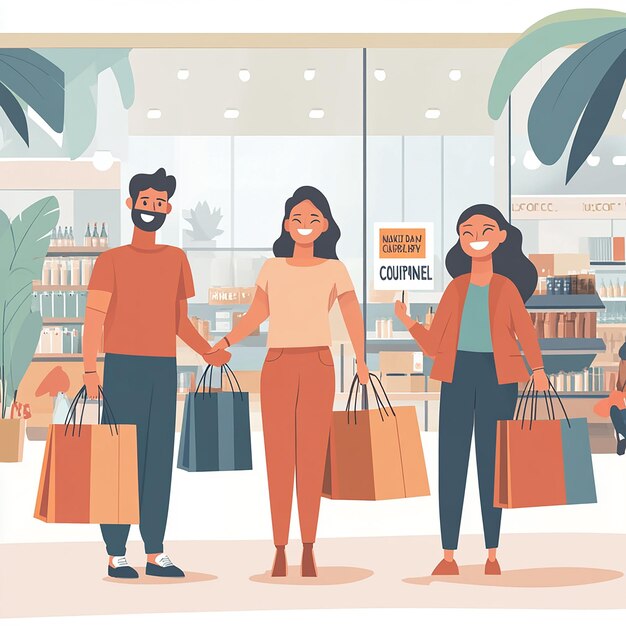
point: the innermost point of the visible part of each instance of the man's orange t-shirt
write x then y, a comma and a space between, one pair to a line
147, 287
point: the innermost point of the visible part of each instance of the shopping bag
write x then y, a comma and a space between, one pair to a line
542, 462
374, 454
11, 439
89, 472
215, 434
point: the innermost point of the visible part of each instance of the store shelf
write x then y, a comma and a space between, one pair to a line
59, 287
61, 358
566, 346
565, 302
75, 251
60, 321
609, 265
614, 299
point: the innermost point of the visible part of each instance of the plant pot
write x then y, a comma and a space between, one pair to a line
11, 440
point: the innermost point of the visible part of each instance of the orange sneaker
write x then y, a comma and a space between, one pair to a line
446, 568
492, 568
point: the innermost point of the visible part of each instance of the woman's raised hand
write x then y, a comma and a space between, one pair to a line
401, 314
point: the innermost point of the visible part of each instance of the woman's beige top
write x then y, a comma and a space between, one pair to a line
300, 299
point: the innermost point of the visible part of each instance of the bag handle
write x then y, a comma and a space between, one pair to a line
529, 393
354, 389
105, 414
224, 369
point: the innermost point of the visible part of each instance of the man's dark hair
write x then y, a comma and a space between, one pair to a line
159, 181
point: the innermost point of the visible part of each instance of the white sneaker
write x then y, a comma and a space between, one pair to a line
163, 566
119, 568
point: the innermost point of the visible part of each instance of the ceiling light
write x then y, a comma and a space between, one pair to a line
492, 161
380, 75
593, 160
455, 75
619, 160
56, 137
316, 114
183, 74
102, 160
432, 114
309, 74
244, 75
154, 114
231, 114
531, 162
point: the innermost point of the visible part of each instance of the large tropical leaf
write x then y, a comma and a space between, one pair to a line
35, 80
597, 115
24, 347
82, 68
560, 103
14, 112
559, 30
31, 234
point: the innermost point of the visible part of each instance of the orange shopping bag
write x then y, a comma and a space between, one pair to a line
375, 454
89, 471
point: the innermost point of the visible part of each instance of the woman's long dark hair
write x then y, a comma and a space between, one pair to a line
508, 259
325, 246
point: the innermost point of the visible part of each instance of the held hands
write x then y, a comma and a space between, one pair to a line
92, 382
540, 381
217, 355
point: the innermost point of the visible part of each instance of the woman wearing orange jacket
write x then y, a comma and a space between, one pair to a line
473, 340
296, 290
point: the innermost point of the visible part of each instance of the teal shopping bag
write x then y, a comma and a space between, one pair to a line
215, 433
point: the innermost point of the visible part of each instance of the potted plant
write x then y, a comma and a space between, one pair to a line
24, 242
204, 226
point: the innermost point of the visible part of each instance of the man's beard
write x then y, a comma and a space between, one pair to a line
149, 221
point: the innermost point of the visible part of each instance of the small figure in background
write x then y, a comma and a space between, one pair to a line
618, 413
56, 384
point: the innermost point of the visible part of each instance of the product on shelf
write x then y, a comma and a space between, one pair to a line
401, 362
104, 237
404, 383
87, 238
95, 238
59, 271
590, 380
606, 249
384, 329
565, 325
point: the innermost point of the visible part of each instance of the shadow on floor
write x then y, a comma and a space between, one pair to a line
325, 576
529, 578
190, 577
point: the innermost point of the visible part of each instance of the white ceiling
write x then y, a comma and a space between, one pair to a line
277, 100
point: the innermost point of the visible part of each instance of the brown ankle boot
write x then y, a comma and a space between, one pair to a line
492, 568
280, 562
446, 568
308, 561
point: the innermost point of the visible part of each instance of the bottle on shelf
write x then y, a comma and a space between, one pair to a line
66, 237
95, 238
104, 236
53, 238
87, 240
602, 289
59, 236
71, 238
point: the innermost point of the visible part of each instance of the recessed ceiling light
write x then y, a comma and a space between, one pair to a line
231, 114
619, 160
455, 75
316, 114
432, 114
380, 75
309, 74
593, 160
531, 162
102, 160
154, 114
244, 75
183, 74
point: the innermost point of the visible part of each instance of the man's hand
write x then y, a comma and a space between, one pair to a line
92, 382
217, 357
363, 373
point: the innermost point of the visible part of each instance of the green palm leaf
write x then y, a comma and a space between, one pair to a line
597, 115
25, 344
14, 111
35, 80
560, 103
557, 31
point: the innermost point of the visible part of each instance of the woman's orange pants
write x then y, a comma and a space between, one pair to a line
297, 393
